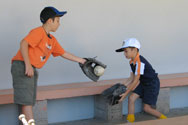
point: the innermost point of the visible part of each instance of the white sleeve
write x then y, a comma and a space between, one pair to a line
142, 67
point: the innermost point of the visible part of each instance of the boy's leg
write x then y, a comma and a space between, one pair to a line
151, 91
131, 104
28, 111
154, 112
150, 110
24, 88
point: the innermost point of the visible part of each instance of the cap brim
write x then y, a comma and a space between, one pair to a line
120, 50
61, 13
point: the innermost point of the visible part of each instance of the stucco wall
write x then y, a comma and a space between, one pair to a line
96, 28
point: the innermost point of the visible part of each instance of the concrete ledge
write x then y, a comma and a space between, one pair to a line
183, 120
89, 88
6, 96
101, 109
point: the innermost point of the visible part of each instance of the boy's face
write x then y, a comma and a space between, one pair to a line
54, 24
129, 52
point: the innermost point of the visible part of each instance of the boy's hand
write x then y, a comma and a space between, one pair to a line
83, 61
29, 71
122, 97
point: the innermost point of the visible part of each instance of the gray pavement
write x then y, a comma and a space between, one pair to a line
139, 117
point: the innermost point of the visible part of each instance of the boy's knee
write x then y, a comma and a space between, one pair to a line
147, 108
132, 99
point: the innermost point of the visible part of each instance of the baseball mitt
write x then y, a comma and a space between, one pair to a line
89, 68
112, 94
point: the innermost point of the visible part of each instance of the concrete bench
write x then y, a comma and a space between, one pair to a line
102, 109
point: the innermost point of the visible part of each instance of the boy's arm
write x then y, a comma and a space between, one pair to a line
129, 80
24, 51
130, 87
72, 57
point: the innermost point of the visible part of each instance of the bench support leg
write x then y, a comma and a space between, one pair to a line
40, 113
105, 111
163, 102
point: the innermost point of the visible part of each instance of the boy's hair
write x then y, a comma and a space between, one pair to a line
50, 12
53, 18
133, 48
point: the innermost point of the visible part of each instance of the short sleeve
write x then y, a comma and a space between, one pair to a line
140, 68
34, 37
57, 50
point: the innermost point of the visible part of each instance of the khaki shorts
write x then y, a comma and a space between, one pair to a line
25, 87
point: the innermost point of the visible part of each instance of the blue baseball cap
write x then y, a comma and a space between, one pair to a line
50, 12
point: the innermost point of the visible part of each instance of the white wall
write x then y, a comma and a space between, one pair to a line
70, 109
96, 28
178, 97
10, 110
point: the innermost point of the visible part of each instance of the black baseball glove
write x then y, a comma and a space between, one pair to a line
88, 68
112, 94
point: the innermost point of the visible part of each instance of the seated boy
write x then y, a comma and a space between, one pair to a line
143, 81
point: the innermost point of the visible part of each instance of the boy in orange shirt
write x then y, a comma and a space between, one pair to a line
35, 49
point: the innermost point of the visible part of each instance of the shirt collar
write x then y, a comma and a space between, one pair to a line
47, 34
135, 60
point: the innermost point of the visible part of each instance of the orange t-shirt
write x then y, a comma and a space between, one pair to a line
40, 47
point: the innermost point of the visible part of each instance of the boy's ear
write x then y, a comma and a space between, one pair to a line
49, 20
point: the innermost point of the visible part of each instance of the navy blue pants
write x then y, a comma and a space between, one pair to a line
148, 91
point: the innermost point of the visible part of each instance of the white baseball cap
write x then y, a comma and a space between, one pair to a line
131, 42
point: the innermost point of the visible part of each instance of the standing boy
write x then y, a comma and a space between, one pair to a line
35, 49
143, 81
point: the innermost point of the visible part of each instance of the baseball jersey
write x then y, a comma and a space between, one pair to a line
140, 66
41, 46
